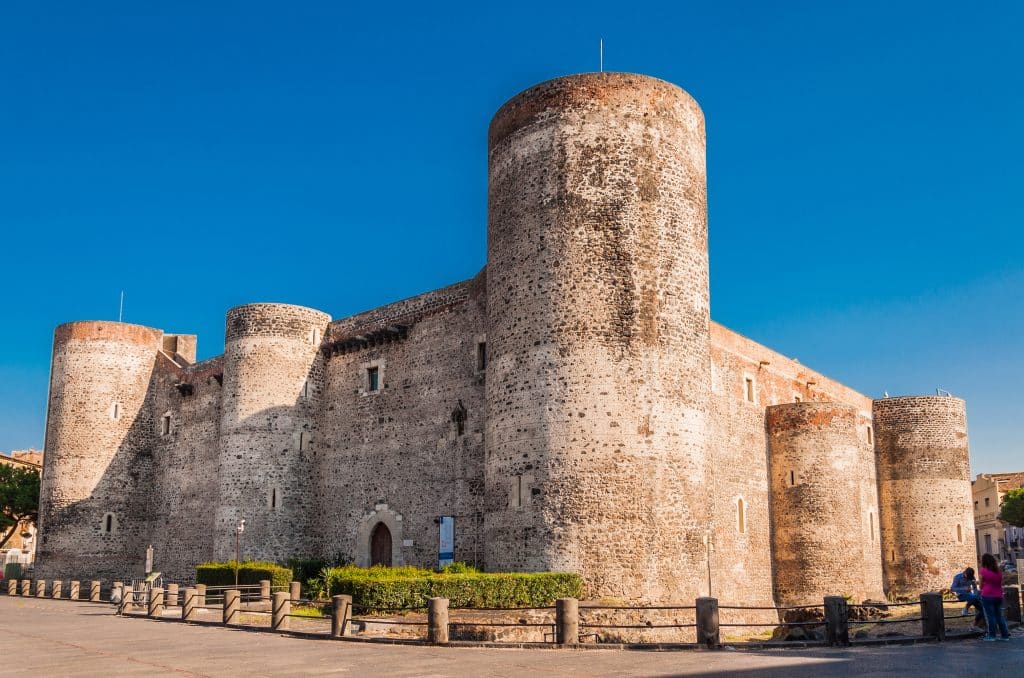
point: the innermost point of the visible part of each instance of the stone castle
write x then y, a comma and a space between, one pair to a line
573, 407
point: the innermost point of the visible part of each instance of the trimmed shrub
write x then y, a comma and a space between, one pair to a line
380, 588
249, 572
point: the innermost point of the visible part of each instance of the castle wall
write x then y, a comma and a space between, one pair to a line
185, 460
396, 455
98, 459
924, 487
742, 564
598, 328
817, 463
273, 371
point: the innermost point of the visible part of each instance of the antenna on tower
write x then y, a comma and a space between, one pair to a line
120, 309
600, 54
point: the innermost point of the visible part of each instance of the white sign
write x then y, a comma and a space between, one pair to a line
446, 541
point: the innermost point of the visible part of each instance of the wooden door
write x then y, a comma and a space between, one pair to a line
380, 545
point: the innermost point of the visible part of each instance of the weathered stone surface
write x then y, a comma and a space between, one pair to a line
572, 406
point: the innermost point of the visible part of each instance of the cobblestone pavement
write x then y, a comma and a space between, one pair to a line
61, 638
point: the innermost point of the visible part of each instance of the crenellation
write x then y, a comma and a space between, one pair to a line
572, 407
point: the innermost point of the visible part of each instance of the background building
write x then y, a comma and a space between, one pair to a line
993, 535
21, 547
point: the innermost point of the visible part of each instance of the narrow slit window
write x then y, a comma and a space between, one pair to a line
892, 556
314, 336
165, 425
303, 441
871, 525
871, 436
741, 518
792, 479
748, 389
115, 411
305, 389
959, 533
108, 523
517, 491
372, 379
273, 498
481, 356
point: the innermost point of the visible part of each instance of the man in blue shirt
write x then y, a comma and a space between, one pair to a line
965, 586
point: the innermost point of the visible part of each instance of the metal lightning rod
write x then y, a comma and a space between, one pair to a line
120, 309
600, 54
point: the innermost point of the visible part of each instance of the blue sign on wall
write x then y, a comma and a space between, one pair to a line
446, 541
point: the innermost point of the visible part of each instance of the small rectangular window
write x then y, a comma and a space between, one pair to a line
792, 479
305, 389
115, 411
372, 379
481, 356
165, 425
871, 436
748, 388
303, 441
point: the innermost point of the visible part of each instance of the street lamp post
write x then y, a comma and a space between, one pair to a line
238, 536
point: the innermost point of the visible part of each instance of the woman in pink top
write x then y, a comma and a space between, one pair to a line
992, 598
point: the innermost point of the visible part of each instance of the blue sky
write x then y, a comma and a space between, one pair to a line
864, 167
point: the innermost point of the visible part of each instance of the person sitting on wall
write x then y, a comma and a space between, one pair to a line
965, 586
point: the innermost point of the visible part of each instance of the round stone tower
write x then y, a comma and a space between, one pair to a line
825, 535
598, 371
272, 374
924, 489
97, 451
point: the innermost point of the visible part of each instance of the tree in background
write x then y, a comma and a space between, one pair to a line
19, 499
1013, 507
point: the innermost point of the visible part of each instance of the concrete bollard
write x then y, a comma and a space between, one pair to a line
567, 621
1011, 603
437, 620
124, 605
341, 613
116, 592
707, 622
55, 591
73, 592
295, 590
12, 587
155, 604
171, 597
25, 587
94, 592
200, 595
280, 609
933, 622
189, 610
231, 606
40, 588
837, 621
264, 590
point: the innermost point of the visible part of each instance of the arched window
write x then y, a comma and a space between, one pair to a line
741, 515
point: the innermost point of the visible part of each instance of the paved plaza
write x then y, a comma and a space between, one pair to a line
41, 637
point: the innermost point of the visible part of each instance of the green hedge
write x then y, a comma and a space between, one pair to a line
380, 588
249, 572
12, 571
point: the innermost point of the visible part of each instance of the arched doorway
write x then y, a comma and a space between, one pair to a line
380, 545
